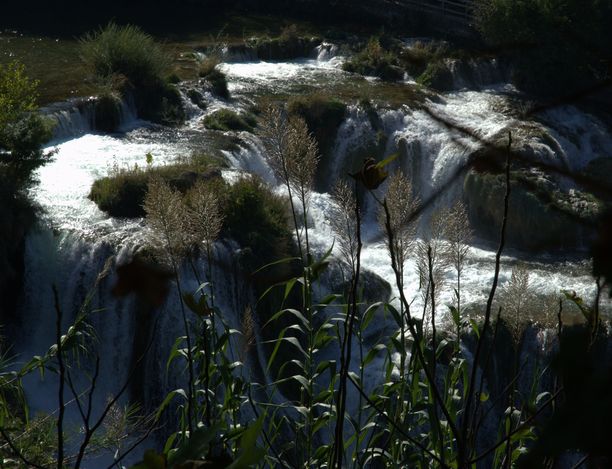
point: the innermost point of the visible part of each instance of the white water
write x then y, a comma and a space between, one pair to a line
77, 237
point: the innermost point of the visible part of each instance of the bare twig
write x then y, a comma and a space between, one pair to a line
266, 437
467, 417
62, 377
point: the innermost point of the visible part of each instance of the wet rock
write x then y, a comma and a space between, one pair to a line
538, 217
107, 113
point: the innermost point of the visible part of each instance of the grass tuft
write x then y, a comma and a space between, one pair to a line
226, 120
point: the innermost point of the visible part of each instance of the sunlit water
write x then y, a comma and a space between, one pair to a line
66, 181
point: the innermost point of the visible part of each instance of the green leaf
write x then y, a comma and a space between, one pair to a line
196, 446
250, 454
475, 328
368, 315
174, 352
288, 287
282, 261
395, 313
372, 354
455, 316
168, 399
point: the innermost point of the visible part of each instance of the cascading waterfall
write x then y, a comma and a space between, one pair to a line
477, 73
72, 118
73, 249
77, 117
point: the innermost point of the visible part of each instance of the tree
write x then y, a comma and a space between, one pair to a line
545, 37
22, 131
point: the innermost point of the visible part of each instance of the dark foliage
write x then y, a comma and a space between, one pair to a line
258, 220
375, 60
557, 46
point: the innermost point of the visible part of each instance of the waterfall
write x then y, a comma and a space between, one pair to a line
71, 118
76, 117
326, 51
122, 327
238, 53
477, 73
76, 240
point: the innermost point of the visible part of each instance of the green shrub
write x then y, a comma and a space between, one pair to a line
288, 45
22, 131
122, 193
420, 55
226, 119
258, 220
323, 115
125, 50
217, 80
121, 196
160, 103
374, 60
128, 56
437, 76
18, 94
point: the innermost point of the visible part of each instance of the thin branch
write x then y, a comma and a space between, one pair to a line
90, 431
87, 416
466, 414
581, 462
62, 374
135, 445
266, 437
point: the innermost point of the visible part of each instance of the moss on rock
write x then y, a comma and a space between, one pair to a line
159, 102
437, 76
226, 119
375, 60
323, 115
288, 45
122, 194
214, 79
107, 112
196, 98
540, 217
